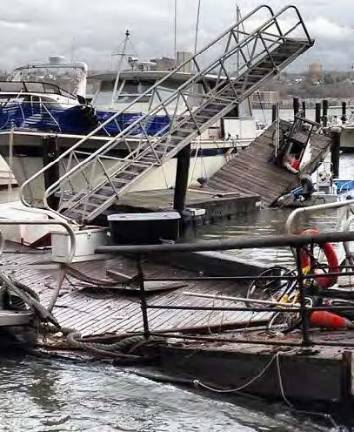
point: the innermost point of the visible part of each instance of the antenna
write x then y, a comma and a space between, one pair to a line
122, 55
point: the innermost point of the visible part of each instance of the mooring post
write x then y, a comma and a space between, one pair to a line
275, 113
143, 304
182, 173
51, 175
304, 313
318, 113
296, 106
335, 151
303, 111
325, 112
344, 112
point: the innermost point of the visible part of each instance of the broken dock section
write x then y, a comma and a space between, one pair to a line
254, 172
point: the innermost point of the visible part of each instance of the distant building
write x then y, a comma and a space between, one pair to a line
315, 71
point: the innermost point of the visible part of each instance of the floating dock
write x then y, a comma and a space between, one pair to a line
217, 204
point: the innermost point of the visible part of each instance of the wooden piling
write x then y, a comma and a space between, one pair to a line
303, 109
51, 175
344, 112
296, 106
335, 152
318, 113
325, 112
274, 112
183, 162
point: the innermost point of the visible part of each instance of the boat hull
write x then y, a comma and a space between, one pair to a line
25, 156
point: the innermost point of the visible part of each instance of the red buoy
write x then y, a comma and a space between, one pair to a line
329, 320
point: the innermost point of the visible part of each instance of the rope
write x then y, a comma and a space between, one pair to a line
198, 383
275, 358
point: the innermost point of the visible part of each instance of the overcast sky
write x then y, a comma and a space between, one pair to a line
31, 30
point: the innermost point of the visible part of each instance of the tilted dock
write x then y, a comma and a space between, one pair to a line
253, 171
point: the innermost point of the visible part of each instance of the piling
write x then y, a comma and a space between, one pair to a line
183, 162
335, 151
303, 111
344, 112
296, 106
274, 113
325, 112
51, 175
318, 113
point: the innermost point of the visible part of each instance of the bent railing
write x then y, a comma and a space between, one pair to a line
302, 306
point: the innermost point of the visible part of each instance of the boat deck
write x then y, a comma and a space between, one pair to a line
253, 171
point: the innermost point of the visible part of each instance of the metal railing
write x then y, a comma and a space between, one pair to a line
305, 286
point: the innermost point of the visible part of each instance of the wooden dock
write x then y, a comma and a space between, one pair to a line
95, 310
253, 172
218, 358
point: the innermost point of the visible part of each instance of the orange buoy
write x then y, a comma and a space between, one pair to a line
329, 320
323, 280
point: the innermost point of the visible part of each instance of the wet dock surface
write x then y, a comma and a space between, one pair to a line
95, 310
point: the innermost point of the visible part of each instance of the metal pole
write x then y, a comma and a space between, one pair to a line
143, 297
127, 34
306, 341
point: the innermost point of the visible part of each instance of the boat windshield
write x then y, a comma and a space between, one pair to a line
67, 78
18, 87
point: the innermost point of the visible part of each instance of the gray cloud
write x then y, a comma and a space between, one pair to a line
31, 30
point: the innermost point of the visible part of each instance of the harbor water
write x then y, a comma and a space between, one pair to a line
45, 395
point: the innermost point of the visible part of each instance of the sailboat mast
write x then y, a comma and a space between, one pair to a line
122, 55
175, 31
197, 29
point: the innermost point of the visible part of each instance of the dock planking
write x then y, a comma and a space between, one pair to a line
252, 171
99, 311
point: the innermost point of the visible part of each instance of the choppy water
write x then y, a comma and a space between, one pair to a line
43, 396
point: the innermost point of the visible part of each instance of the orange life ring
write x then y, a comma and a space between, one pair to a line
322, 279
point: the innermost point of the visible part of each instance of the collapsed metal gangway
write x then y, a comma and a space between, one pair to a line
226, 72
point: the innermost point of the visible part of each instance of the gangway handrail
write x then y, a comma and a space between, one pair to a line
289, 225
273, 19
